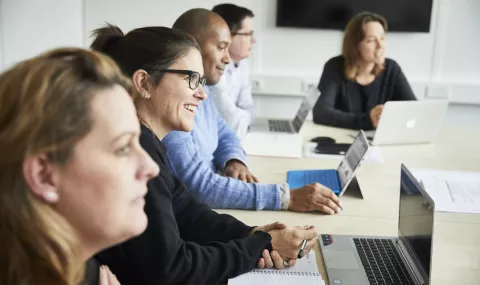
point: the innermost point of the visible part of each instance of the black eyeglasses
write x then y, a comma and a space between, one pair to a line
194, 78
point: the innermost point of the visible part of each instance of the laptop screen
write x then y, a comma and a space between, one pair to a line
352, 159
307, 104
301, 115
415, 222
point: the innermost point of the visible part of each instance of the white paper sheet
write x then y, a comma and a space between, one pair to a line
273, 145
452, 191
254, 279
306, 264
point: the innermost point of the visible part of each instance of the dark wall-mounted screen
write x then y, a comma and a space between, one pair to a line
401, 15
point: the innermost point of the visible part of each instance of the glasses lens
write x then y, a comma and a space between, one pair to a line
194, 80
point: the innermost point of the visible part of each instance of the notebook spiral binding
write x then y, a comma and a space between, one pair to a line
279, 272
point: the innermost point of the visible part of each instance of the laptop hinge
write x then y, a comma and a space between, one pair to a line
405, 259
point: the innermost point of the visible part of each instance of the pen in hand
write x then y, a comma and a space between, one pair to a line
302, 248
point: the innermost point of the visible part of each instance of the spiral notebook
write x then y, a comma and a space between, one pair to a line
305, 272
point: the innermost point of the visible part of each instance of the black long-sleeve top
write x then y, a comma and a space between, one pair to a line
346, 104
185, 241
91, 272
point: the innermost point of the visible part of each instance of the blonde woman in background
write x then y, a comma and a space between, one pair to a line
72, 175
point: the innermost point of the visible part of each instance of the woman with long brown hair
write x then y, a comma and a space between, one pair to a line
355, 85
72, 174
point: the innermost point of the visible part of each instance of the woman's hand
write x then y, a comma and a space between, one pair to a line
107, 277
375, 114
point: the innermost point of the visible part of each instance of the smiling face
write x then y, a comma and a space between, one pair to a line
174, 102
215, 51
243, 41
372, 47
101, 187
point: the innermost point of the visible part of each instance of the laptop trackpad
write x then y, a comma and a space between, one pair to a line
341, 259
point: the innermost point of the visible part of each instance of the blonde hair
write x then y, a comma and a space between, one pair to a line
45, 108
352, 37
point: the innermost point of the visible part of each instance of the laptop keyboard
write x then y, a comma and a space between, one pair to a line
328, 178
281, 126
382, 262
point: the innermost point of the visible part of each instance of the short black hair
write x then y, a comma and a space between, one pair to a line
233, 15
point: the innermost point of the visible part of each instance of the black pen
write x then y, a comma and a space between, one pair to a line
302, 248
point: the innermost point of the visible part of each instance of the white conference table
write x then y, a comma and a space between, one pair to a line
456, 241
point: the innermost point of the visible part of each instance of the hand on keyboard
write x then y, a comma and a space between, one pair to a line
314, 197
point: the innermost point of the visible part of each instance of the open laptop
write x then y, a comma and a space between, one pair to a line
288, 126
280, 138
409, 122
335, 179
405, 259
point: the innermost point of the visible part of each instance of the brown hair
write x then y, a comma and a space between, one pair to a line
150, 48
352, 37
44, 108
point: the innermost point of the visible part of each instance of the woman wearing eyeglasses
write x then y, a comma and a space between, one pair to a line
185, 241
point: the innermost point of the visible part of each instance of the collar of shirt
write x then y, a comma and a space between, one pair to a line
231, 67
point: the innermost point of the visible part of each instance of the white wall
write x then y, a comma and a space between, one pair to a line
284, 60
441, 63
278, 52
29, 27
459, 40
130, 14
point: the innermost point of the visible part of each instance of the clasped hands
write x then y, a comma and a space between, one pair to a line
286, 243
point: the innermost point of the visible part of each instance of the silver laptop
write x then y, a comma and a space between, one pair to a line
405, 259
409, 122
288, 126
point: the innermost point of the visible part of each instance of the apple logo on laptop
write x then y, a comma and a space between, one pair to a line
411, 124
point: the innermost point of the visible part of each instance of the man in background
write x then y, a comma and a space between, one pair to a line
233, 94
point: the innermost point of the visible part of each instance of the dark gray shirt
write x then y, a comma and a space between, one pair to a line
346, 104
